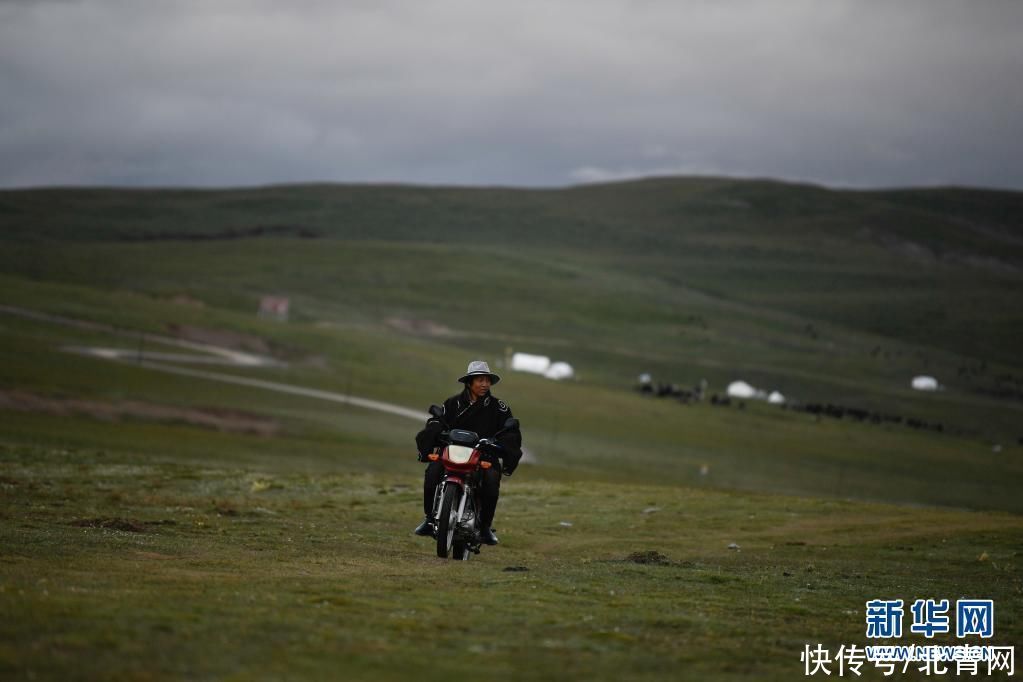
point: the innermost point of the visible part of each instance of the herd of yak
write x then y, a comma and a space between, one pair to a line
697, 393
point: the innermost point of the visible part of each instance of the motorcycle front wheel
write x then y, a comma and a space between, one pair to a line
445, 524
460, 549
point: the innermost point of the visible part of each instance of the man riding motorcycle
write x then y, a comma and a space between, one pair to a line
474, 409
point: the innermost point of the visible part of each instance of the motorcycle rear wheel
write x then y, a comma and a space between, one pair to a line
445, 529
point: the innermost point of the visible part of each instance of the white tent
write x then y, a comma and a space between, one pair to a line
740, 389
925, 383
559, 371
776, 398
534, 364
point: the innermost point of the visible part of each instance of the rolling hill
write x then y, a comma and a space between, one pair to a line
158, 525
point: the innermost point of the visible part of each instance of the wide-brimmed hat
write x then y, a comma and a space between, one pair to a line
479, 368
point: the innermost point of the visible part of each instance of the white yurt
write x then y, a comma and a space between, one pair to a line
776, 398
534, 364
740, 389
925, 383
559, 371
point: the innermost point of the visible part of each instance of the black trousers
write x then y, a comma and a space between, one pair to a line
490, 490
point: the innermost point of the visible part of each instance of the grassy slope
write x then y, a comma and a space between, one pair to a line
307, 565
938, 269
611, 324
585, 428
253, 574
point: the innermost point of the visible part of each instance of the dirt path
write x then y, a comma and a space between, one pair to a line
220, 355
122, 355
216, 355
389, 408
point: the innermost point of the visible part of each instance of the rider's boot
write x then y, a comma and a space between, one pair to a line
488, 537
425, 528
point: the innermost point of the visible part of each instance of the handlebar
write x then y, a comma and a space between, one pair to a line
482, 443
489, 448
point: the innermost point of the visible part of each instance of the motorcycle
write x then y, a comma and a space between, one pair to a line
465, 457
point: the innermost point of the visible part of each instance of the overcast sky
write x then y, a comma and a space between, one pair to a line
531, 93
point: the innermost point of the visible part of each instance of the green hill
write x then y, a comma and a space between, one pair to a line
154, 525
823, 294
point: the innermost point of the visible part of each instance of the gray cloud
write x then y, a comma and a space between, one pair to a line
531, 93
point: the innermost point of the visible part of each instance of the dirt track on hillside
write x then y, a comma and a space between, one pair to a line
218, 419
214, 418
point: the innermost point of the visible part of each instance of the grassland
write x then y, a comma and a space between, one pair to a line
138, 543
240, 573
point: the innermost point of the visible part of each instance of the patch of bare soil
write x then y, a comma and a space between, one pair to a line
315, 361
128, 525
155, 556
220, 337
224, 509
419, 327
227, 233
648, 557
186, 300
924, 254
218, 419
117, 523
230, 340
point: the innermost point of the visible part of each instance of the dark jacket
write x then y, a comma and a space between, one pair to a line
485, 417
